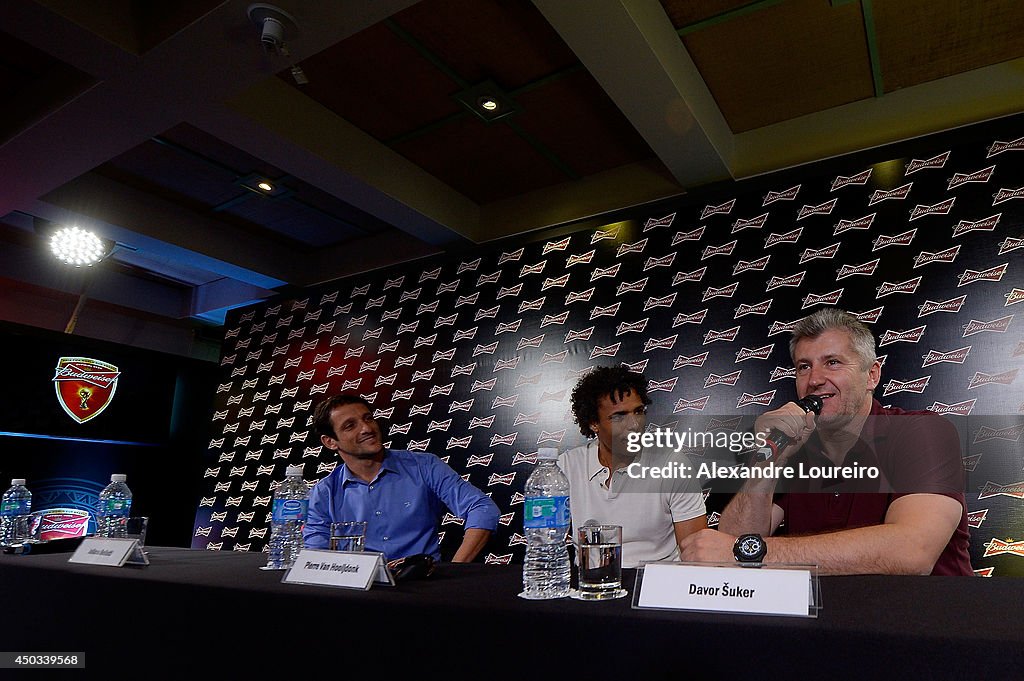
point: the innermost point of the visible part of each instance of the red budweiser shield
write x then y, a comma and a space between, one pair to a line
84, 386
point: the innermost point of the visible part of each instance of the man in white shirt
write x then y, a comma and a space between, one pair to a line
608, 404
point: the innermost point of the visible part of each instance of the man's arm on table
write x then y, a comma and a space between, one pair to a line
465, 501
472, 543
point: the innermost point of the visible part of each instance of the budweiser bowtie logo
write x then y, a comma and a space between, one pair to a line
532, 305
751, 223
925, 258
1010, 434
666, 301
636, 247
983, 175
660, 222
514, 256
991, 274
667, 385
608, 351
903, 239
558, 357
763, 399
631, 327
632, 287
1006, 195
915, 386
1010, 244
1013, 297
779, 373
899, 193
604, 235
505, 327
599, 272
583, 335
514, 291
694, 318
430, 274
469, 266
534, 342
858, 179
812, 254
943, 208
953, 356
996, 326
823, 299
1014, 490
951, 305
997, 547
728, 379
583, 295
782, 327
723, 209
660, 343
909, 286
483, 385
979, 379
987, 225
866, 269
664, 261
860, 223
582, 259
870, 316
507, 440
555, 282
503, 364
930, 164
695, 235
787, 195
787, 238
794, 280
821, 209
724, 249
759, 353
684, 361
760, 308
1000, 147
635, 367
959, 409
727, 335
909, 336
560, 245
681, 277
695, 405
744, 265
725, 292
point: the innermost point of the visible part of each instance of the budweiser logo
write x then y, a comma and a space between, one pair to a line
506, 291
951, 305
667, 385
514, 256
997, 547
959, 409
915, 386
752, 223
794, 280
991, 489
584, 296
483, 385
608, 351
604, 235
459, 442
954, 356
779, 373
758, 353
992, 274
463, 405
534, 342
664, 261
465, 334
821, 209
760, 308
533, 418
987, 225
1010, 244
724, 249
1010, 434
660, 222
782, 327
464, 369
505, 327
1007, 195
996, 326
1000, 147
559, 245
695, 405
660, 343
812, 254
659, 302
860, 223
558, 357
822, 299
631, 327
744, 265
723, 209
636, 247
536, 268
932, 163
449, 287
727, 335
725, 292
979, 379
909, 336
787, 238
943, 208
684, 361
488, 313
763, 399
695, 235
507, 440
925, 258
866, 269
1013, 297
635, 367
899, 193
694, 318
983, 175
555, 436
909, 286
787, 195
858, 179
728, 379
503, 364
554, 282
903, 239
469, 266
606, 311
696, 275
583, 335
600, 272
583, 259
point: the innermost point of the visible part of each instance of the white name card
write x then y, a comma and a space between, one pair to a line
763, 591
342, 569
103, 551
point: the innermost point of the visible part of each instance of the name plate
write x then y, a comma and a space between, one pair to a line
713, 588
104, 551
341, 569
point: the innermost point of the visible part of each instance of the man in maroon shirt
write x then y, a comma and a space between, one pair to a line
910, 519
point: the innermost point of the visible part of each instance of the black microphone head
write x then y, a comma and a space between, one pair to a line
811, 403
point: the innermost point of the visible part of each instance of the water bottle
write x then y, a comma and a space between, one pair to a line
15, 510
291, 502
113, 508
546, 521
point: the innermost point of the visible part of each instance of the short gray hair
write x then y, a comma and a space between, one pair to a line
827, 318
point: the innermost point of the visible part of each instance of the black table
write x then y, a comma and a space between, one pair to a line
200, 612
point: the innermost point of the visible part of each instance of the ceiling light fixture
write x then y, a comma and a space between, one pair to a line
275, 25
488, 104
266, 186
488, 101
79, 247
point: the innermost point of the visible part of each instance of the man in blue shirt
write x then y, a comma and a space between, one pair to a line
400, 494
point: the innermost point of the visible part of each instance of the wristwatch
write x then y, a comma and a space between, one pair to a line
750, 548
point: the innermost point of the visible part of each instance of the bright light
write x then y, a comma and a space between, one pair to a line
77, 247
488, 103
266, 186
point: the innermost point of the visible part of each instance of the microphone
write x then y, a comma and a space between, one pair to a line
777, 440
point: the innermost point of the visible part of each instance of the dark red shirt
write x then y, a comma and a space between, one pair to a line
915, 451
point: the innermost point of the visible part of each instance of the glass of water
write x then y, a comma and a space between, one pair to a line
348, 535
599, 554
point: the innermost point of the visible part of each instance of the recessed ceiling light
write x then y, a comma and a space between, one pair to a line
78, 247
266, 186
488, 103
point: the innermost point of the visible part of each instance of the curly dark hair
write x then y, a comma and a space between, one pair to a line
611, 382
322, 413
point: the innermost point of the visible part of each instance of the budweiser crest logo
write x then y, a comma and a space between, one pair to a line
1000, 147
823, 299
899, 193
903, 239
866, 269
932, 163
787, 195
909, 286
959, 409
909, 336
760, 308
925, 258
996, 326
744, 265
84, 386
998, 546
759, 353
723, 209
858, 179
794, 280
1013, 297
860, 223
1014, 490
991, 274
752, 223
787, 238
953, 356
987, 225
983, 175
821, 209
1007, 195
684, 361
915, 386
724, 249
951, 305
660, 222
763, 399
980, 379
943, 208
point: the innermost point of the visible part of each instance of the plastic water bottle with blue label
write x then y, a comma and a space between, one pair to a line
113, 508
15, 513
546, 522
291, 503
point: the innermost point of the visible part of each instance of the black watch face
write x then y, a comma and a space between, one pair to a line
750, 548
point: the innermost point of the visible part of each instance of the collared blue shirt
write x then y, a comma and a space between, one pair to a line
402, 505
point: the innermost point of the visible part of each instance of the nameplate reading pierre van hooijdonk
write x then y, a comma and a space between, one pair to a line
341, 569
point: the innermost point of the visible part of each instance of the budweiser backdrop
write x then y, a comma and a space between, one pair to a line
473, 358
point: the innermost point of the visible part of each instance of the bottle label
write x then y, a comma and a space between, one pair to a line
19, 507
544, 512
116, 508
290, 509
